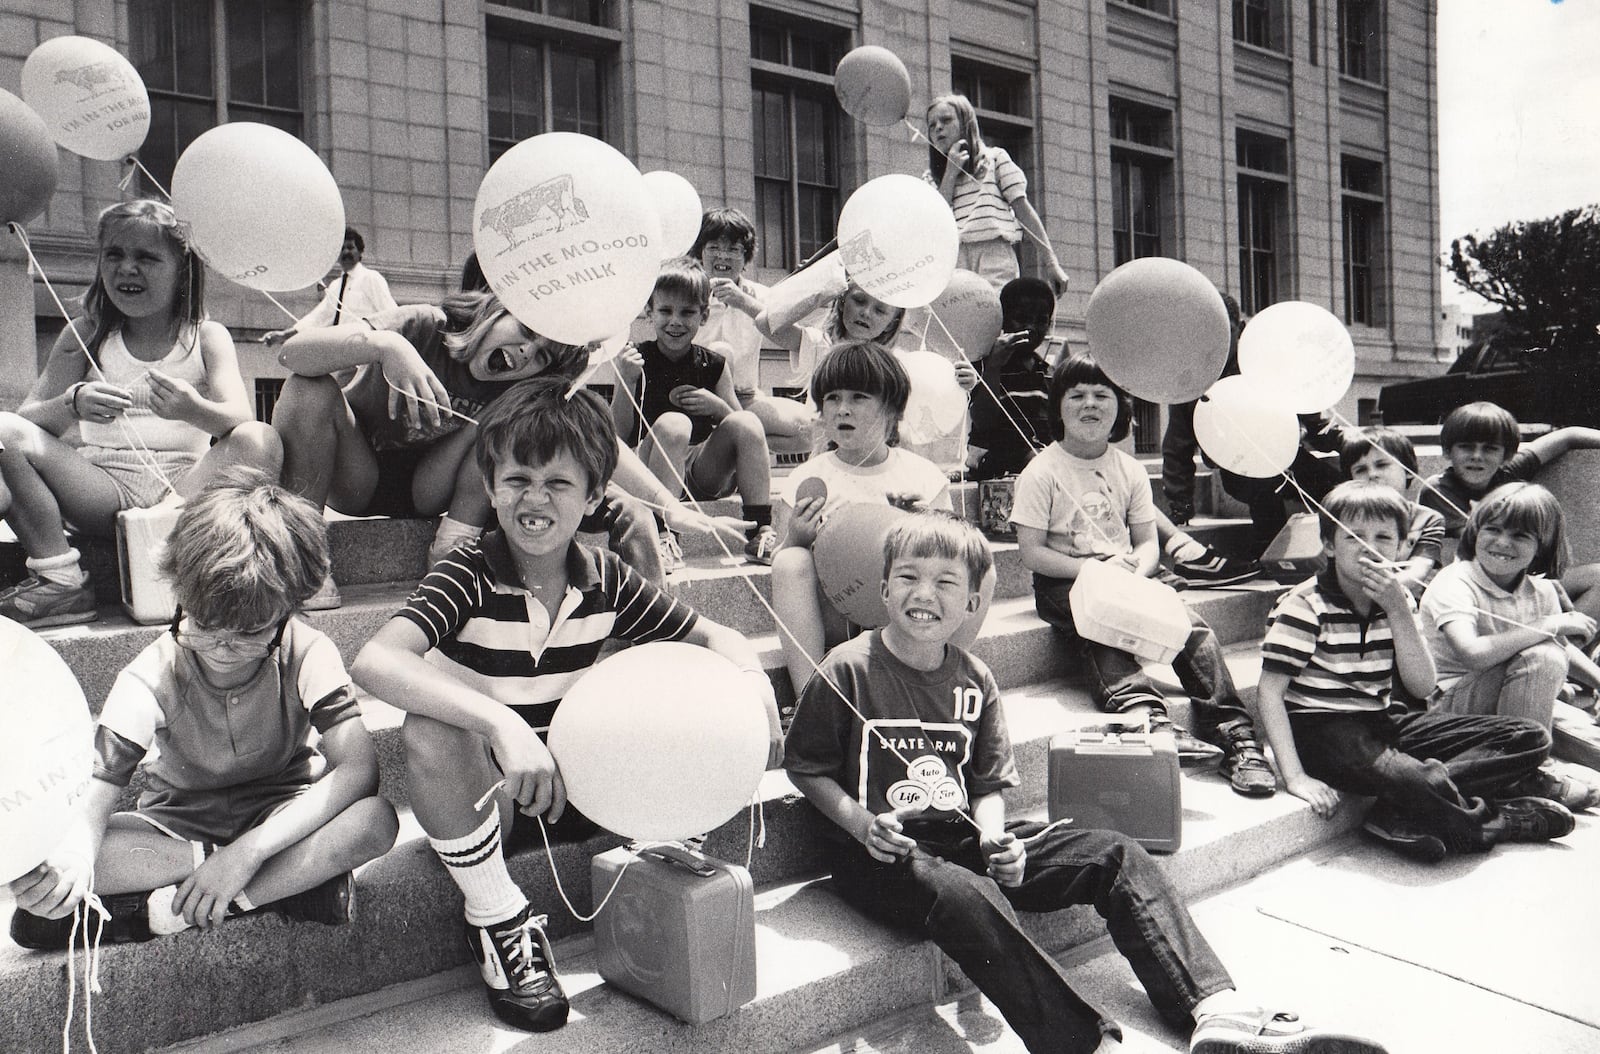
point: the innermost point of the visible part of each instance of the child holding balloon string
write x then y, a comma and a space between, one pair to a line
262, 784
900, 741
863, 391
988, 194
485, 648
151, 387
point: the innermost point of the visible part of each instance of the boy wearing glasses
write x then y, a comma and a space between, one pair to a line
245, 808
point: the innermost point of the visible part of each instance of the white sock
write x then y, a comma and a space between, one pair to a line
478, 865
449, 534
163, 920
1183, 548
63, 569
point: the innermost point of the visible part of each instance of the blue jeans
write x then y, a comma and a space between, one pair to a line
1119, 681
941, 892
1440, 772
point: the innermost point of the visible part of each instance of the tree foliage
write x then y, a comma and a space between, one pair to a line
1544, 273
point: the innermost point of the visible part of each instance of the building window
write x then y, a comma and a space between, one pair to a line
1159, 7
1004, 101
208, 62
1259, 23
1361, 182
1358, 40
268, 391
546, 74
1263, 163
796, 121
1141, 180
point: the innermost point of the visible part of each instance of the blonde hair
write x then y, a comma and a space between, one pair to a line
245, 552
835, 326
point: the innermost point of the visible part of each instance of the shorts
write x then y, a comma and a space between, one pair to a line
393, 495
217, 816
994, 258
720, 488
134, 472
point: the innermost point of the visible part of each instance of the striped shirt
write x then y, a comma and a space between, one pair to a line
493, 635
1336, 659
982, 206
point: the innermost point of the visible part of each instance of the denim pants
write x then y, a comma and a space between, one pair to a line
1119, 681
1441, 772
941, 892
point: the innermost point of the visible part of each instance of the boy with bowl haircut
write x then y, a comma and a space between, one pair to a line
693, 433
1383, 455
1334, 645
900, 741
485, 648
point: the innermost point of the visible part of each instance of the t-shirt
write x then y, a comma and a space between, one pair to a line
982, 206
490, 633
1462, 592
1085, 505
1337, 659
368, 394
699, 367
901, 473
1446, 492
737, 331
1011, 421
1425, 536
208, 738
946, 727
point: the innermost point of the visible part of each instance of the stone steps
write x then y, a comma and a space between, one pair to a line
822, 969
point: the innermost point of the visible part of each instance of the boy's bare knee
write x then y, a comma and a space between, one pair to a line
378, 824
18, 433
793, 568
672, 429
435, 750
305, 399
743, 425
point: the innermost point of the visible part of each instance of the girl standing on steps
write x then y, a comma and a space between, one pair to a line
158, 384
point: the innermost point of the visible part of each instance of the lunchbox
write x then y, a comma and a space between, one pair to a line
678, 931
1296, 553
1120, 778
994, 507
1113, 606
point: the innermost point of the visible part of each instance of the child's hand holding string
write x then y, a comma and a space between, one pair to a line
728, 292
1574, 624
884, 837
173, 397
531, 775
101, 401
966, 375
1381, 582
1008, 858
414, 391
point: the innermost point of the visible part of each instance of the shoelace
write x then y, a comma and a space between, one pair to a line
526, 955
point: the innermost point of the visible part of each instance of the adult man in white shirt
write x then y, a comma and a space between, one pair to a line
359, 291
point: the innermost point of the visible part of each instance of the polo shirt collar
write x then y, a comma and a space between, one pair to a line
1487, 584
583, 570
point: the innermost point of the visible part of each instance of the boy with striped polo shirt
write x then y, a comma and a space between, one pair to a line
1334, 645
485, 648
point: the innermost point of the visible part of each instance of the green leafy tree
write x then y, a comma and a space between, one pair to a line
1544, 273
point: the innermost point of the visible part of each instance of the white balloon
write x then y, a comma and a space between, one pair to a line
898, 240
91, 98
46, 749
262, 208
963, 322
1245, 429
938, 404
1159, 328
568, 237
1301, 351
677, 205
668, 763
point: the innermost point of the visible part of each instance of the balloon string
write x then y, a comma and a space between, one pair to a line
147, 459
91, 904
135, 165
292, 316
776, 619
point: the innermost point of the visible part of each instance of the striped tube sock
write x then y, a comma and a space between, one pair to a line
478, 866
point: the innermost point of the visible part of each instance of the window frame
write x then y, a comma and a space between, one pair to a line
1361, 54
218, 101
1261, 24
550, 35
1156, 160
1362, 211
794, 82
1263, 201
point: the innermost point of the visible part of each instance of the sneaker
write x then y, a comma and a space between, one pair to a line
1244, 764
671, 552
1191, 750
759, 549
1214, 569
331, 902
1574, 786
514, 958
1530, 819
128, 925
325, 598
1172, 581
36, 603
1266, 1032
1398, 835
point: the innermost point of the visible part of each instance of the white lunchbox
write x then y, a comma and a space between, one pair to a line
141, 539
1113, 606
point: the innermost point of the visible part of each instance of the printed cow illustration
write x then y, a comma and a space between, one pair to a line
859, 254
95, 79
537, 211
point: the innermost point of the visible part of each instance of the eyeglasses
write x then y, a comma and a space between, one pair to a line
245, 644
